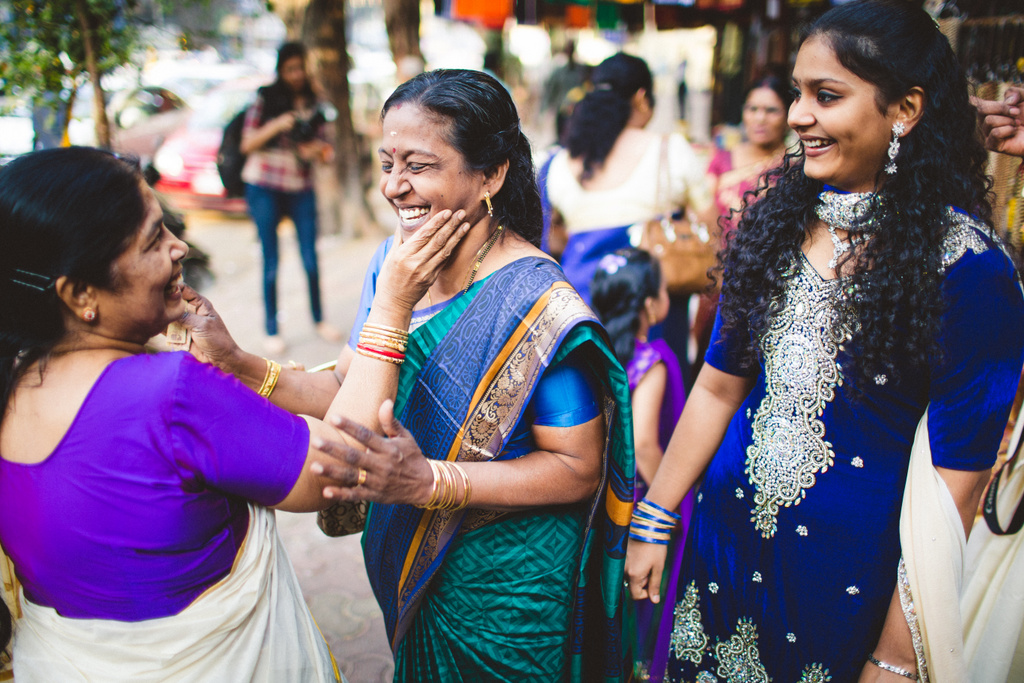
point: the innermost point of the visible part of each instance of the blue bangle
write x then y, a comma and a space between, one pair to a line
648, 540
674, 515
651, 519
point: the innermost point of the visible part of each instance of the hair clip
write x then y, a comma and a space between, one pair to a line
33, 280
610, 263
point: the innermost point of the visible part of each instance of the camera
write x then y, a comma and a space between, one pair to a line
305, 129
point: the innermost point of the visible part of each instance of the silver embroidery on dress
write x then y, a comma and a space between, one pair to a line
738, 657
739, 660
961, 237
688, 638
815, 673
800, 349
789, 447
910, 614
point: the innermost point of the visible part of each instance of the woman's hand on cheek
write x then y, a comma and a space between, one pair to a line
414, 263
211, 341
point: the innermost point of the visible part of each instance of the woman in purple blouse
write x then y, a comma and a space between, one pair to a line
135, 487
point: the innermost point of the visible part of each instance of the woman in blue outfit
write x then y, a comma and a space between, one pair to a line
496, 530
864, 293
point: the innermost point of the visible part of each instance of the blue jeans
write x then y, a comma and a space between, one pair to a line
267, 207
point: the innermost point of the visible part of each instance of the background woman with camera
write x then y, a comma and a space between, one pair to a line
283, 136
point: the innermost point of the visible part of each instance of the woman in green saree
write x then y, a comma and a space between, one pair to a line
496, 530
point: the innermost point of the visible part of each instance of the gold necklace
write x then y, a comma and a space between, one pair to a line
480, 256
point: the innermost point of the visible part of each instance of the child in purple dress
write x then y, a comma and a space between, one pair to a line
630, 297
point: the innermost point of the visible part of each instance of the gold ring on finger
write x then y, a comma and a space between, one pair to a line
362, 477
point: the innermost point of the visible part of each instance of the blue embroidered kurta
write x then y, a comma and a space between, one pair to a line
794, 546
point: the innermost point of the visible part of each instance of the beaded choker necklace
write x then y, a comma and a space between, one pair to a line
855, 212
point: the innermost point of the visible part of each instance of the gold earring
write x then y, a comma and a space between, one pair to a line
487, 200
88, 315
651, 318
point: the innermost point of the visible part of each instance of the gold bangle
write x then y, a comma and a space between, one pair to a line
384, 329
433, 488
377, 356
449, 486
371, 339
270, 379
658, 525
650, 534
466, 487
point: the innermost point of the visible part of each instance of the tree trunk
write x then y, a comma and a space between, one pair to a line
402, 19
99, 108
323, 32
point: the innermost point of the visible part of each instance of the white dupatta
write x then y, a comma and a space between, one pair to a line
251, 626
934, 547
964, 602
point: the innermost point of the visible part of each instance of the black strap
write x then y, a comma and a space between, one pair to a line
992, 495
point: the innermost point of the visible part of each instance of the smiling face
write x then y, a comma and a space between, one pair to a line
844, 135
146, 291
764, 118
421, 173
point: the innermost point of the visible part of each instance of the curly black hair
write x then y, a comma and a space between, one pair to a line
482, 123
892, 300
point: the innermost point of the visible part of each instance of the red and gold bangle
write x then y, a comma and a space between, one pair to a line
371, 339
395, 358
383, 352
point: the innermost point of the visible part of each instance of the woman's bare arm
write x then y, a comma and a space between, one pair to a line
565, 468
646, 400
715, 398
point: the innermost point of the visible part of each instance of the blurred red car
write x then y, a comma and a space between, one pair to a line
187, 160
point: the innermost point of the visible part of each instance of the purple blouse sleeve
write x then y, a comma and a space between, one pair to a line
226, 437
369, 288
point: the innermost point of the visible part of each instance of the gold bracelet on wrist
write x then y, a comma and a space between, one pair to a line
433, 488
466, 487
387, 331
270, 379
444, 493
370, 339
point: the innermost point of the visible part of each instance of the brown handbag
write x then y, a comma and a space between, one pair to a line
346, 516
343, 518
683, 245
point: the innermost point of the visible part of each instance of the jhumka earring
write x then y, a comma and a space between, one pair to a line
894, 147
487, 200
88, 315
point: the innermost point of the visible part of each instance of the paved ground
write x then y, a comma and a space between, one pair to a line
331, 571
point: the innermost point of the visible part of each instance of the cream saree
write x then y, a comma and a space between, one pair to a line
251, 626
964, 601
